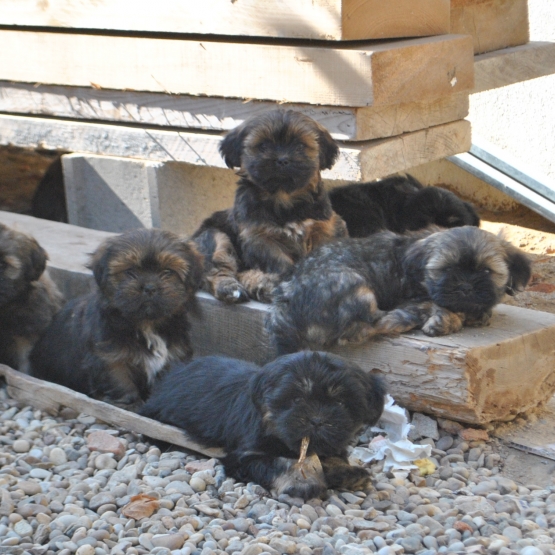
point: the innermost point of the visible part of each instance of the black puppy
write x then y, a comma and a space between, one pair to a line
115, 342
260, 416
281, 209
399, 203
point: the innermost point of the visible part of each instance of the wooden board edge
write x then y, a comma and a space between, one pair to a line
49, 396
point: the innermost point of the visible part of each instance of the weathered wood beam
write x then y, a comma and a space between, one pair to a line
477, 375
310, 19
365, 160
493, 24
52, 397
349, 74
513, 65
222, 114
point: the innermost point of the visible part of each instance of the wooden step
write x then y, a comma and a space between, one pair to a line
222, 114
493, 24
477, 375
367, 74
360, 161
309, 19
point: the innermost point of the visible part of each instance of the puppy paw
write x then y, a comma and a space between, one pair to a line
306, 481
259, 285
478, 321
341, 475
442, 322
230, 291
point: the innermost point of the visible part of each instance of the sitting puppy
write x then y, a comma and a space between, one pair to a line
28, 297
261, 416
353, 289
281, 210
399, 204
112, 344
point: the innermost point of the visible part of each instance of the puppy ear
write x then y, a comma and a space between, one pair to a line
36, 263
231, 147
520, 270
99, 264
196, 265
329, 151
416, 259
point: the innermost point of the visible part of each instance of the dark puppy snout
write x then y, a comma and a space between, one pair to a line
149, 288
282, 161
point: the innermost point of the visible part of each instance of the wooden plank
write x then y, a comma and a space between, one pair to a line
493, 24
474, 376
360, 75
357, 161
52, 397
513, 65
310, 19
222, 114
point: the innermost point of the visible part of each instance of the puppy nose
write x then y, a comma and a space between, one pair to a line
465, 288
149, 288
316, 421
282, 161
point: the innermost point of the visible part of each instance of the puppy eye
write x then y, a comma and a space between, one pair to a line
168, 273
486, 271
263, 146
131, 274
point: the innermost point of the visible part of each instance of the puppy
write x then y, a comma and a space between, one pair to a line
399, 204
261, 416
353, 289
281, 210
28, 297
113, 343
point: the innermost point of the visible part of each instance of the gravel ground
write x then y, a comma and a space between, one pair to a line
60, 495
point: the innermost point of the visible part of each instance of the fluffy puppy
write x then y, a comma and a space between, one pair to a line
28, 297
281, 210
353, 289
399, 204
260, 416
113, 343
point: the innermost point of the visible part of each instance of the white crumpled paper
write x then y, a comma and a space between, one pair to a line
396, 449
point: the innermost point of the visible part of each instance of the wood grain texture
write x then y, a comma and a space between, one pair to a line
52, 397
222, 114
363, 160
310, 19
377, 74
493, 24
477, 375
513, 65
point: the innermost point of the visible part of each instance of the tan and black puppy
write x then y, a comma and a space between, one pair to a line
28, 297
112, 344
281, 210
353, 289
262, 416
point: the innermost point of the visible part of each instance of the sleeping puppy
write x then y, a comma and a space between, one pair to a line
353, 289
112, 344
281, 210
264, 417
28, 297
399, 204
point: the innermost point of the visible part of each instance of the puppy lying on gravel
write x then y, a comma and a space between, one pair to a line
269, 419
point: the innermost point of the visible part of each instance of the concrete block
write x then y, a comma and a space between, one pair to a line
116, 194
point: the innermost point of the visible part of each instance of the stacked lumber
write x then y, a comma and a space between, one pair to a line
387, 78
